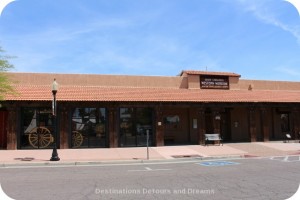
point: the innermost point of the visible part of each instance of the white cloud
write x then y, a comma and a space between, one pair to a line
265, 12
289, 71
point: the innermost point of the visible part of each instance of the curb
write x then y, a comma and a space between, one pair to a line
116, 162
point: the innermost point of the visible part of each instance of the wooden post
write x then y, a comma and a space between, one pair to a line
12, 127
296, 123
217, 121
201, 127
3, 129
159, 126
252, 124
112, 132
265, 124
64, 127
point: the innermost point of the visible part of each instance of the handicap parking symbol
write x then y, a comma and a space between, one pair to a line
217, 163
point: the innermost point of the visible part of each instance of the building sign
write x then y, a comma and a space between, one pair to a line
214, 82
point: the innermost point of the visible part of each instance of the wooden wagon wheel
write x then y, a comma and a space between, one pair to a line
40, 137
77, 139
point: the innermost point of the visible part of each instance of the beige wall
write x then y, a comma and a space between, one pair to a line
100, 80
268, 85
191, 81
233, 83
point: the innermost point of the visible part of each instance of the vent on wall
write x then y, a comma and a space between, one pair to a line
251, 86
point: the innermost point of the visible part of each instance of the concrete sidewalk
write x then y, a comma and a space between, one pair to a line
105, 155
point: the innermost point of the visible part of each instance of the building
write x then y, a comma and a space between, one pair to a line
98, 111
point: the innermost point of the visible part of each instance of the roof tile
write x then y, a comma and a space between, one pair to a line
118, 94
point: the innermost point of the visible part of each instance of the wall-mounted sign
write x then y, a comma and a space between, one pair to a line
214, 82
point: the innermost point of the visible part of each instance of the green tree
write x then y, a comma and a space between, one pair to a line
5, 82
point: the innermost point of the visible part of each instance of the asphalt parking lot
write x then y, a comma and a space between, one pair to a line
255, 178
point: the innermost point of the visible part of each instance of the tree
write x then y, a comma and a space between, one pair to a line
5, 83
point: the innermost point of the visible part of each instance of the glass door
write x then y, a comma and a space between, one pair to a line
143, 125
127, 133
88, 128
135, 123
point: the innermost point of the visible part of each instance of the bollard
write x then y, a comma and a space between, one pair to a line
147, 131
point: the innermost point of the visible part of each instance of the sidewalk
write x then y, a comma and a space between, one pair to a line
139, 154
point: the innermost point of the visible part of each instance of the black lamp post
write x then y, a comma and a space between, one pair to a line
54, 156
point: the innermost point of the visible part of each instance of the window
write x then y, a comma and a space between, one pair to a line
88, 127
172, 122
36, 128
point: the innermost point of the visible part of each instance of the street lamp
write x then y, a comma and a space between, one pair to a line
54, 156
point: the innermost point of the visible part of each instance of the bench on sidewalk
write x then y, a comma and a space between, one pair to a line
213, 138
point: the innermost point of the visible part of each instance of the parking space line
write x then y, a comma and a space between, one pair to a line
288, 158
147, 169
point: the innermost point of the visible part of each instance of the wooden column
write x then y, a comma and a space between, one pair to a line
296, 123
3, 129
201, 127
217, 121
252, 124
112, 124
265, 124
64, 127
12, 127
159, 126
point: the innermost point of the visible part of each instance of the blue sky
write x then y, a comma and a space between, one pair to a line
259, 39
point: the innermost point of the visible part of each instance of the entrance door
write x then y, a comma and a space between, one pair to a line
135, 123
3, 132
225, 125
209, 124
176, 125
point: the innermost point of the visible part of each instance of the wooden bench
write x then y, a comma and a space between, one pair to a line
212, 138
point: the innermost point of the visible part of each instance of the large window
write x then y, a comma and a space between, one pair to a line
134, 125
88, 128
36, 128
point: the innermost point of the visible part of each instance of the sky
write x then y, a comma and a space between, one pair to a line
258, 39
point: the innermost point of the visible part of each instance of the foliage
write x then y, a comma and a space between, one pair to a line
5, 83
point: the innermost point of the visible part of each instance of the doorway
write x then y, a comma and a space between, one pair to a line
135, 125
176, 126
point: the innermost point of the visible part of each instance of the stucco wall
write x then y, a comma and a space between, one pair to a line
100, 80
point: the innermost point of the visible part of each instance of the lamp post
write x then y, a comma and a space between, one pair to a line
54, 156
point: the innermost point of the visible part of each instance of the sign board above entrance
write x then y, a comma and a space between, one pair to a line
214, 82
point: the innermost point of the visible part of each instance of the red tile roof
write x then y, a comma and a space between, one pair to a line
134, 94
193, 72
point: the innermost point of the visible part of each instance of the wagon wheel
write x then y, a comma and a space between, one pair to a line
40, 137
77, 139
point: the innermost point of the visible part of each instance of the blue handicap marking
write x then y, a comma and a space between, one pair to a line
217, 163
